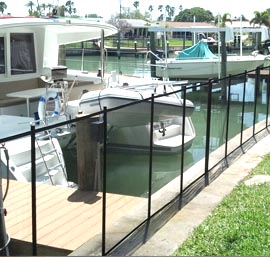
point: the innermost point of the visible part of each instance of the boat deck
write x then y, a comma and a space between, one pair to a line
66, 217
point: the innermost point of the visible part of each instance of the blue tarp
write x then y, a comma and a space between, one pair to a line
197, 51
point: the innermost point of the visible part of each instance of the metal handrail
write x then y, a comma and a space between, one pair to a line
206, 174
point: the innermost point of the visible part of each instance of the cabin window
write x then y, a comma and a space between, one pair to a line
22, 53
2, 56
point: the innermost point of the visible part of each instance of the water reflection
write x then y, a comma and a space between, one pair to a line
125, 65
128, 173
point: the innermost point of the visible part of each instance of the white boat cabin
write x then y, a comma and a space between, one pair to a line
29, 48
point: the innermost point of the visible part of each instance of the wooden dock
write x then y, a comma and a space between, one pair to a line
66, 217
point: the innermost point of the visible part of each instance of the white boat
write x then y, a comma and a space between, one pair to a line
16, 154
29, 50
129, 127
137, 97
30, 76
198, 62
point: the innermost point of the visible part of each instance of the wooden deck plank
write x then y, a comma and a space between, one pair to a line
80, 218
85, 225
88, 229
66, 217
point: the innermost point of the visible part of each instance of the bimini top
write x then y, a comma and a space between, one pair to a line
197, 51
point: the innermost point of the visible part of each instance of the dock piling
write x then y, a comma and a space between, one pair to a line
88, 145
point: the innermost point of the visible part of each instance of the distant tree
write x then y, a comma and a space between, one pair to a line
38, 11
69, 7
136, 4
187, 15
161, 16
150, 8
221, 20
180, 8
43, 8
3, 7
30, 5
136, 14
160, 8
170, 12
92, 15
122, 25
50, 7
261, 18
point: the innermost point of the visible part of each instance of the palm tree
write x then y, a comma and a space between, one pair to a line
49, 6
260, 18
30, 6
170, 11
43, 7
136, 4
222, 20
180, 8
3, 6
69, 7
160, 8
38, 8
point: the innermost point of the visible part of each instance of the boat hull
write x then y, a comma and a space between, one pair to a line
207, 68
167, 137
138, 107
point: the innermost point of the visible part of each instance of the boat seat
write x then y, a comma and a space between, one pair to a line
13, 86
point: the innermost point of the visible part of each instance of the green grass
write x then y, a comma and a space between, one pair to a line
239, 226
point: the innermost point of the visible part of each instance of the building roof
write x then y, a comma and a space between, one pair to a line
184, 24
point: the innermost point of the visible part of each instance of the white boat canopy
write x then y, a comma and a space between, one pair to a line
65, 30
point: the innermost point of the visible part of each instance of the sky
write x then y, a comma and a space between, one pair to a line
106, 8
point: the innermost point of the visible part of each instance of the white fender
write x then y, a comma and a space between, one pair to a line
43, 101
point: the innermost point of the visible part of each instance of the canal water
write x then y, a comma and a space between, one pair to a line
128, 173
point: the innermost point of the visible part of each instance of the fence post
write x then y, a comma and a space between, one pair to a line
183, 138
257, 87
243, 112
150, 157
227, 119
208, 126
104, 178
33, 188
